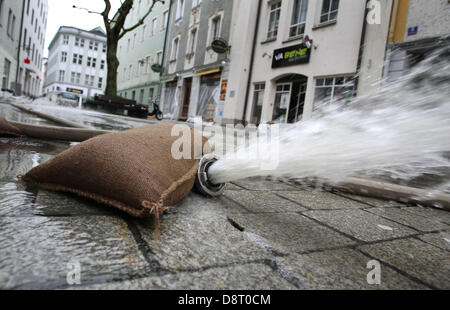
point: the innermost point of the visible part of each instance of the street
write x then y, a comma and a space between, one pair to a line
261, 234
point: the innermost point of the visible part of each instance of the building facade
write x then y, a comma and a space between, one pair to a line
141, 51
10, 17
300, 53
77, 62
417, 29
29, 80
195, 74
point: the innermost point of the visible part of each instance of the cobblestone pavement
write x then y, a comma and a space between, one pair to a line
260, 235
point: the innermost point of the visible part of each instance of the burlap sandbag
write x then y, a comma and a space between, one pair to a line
133, 171
6, 129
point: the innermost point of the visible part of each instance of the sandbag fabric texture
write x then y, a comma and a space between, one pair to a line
133, 170
6, 129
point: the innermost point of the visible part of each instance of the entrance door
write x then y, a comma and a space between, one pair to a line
187, 98
297, 102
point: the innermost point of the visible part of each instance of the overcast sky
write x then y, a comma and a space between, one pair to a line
61, 13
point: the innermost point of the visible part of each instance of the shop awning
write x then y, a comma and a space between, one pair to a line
172, 79
208, 71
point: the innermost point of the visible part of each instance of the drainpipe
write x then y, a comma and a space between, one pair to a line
165, 45
361, 48
19, 46
252, 60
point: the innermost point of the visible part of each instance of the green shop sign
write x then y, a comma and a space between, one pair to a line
293, 55
157, 68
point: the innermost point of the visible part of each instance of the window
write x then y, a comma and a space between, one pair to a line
196, 3
174, 54
281, 106
63, 56
89, 80
216, 23
65, 39
298, 18
1, 9
143, 33
77, 41
333, 89
62, 73
192, 41
258, 100
89, 60
104, 48
165, 20
100, 82
91, 45
95, 46
274, 20
153, 27
329, 10
159, 57
6, 69
77, 59
82, 43
102, 64
75, 78
180, 9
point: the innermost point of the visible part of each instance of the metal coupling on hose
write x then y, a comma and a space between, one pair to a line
202, 182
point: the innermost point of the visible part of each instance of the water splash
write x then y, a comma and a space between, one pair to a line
401, 133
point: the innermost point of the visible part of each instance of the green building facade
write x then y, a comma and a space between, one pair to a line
140, 51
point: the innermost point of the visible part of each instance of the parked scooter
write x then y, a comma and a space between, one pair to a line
156, 112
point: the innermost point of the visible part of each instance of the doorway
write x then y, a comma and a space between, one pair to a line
187, 98
290, 94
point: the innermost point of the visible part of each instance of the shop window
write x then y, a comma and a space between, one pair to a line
258, 100
332, 89
329, 11
282, 98
298, 18
274, 20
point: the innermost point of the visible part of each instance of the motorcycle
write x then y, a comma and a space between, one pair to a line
157, 113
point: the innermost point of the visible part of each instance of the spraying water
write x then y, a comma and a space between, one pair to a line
401, 132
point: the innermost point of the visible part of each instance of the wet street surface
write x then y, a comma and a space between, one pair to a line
261, 234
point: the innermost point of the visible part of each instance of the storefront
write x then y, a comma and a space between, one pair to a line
209, 95
170, 105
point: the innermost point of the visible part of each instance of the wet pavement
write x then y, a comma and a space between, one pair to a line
260, 234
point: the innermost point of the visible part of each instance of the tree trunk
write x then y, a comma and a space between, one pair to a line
113, 65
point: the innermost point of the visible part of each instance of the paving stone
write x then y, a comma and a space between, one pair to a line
340, 269
411, 219
36, 251
423, 261
259, 184
374, 202
263, 202
23, 200
321, 200
199, 240
360, 224
438, 215
288, 233
441, 239
198, 204
233, 187
240, 277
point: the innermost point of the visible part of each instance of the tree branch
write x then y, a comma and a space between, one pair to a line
105, 15
141, 21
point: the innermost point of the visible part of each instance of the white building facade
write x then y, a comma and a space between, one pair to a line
10, 15
296, 54
33, 29
77, 62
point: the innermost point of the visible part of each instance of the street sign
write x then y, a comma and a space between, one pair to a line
220, 46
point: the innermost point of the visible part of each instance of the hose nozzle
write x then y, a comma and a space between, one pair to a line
202, 182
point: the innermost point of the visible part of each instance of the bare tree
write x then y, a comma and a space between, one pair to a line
115, 30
